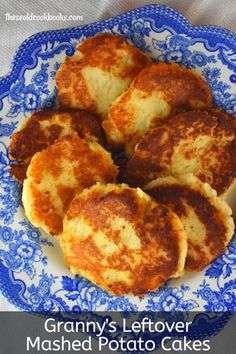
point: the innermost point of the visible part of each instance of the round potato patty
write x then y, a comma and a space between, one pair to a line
122, 240
158, 92
42, 128
206, 218
101, 68
57, 173
202, 143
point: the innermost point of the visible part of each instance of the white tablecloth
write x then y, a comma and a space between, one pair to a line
12, 33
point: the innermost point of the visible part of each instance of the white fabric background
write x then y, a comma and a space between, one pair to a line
199, 12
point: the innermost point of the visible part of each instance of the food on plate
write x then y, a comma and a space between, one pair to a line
198, 142
206, 218
18, 170
57, 173
42, 128
159, 91
162, 134
102, 67
122, 240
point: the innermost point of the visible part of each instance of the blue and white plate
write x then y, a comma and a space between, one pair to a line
33, 275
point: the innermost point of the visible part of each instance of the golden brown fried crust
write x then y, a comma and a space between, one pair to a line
34, 137
87, 166
18, 170
100, 51
181, 89
154, 225
175, 196
152, 157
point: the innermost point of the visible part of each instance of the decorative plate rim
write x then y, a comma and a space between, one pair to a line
225, 33
215, 37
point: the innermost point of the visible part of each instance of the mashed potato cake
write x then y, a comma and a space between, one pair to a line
102, 67
206, 218
42, 128
57, 173
122, 240
197, 142
159, 91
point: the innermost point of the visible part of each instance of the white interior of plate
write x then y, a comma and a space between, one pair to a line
34, 259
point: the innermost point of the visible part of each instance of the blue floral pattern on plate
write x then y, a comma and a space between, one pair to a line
32, 273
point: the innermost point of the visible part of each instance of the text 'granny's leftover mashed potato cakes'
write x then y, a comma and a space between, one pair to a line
42, 128
159, 91
206, 218
202, 143
101, 68
57, 173
122, 240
